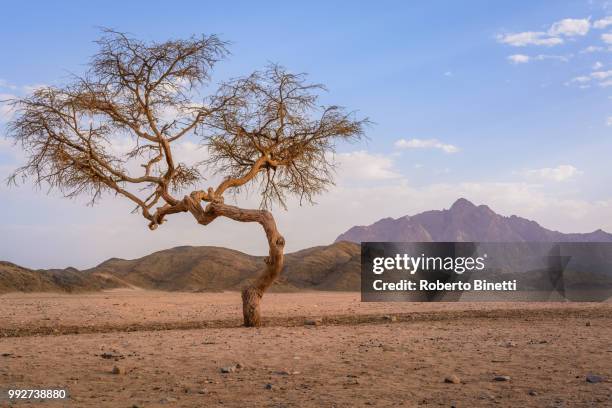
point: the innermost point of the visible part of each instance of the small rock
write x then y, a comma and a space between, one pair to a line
588, 324
313, 322
533, 393
202, 391
452, 379
281, 372
268, 386
118, 370
501, 378
228, 369
594, 379
390, 318
510, 344
167, 400
6, 354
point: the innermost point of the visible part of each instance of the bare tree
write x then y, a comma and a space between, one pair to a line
264, 130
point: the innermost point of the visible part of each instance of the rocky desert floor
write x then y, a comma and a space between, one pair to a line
132, 348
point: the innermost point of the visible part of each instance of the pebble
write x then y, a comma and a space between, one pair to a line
313, 322
228, 369
452, 379
501, 378
533, 393
167, 400
594, 379
268, 386
118, 370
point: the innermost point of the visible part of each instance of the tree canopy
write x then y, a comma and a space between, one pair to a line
265, 129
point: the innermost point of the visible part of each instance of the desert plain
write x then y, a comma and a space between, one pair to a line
137, 348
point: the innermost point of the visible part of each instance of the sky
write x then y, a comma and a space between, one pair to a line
509, 106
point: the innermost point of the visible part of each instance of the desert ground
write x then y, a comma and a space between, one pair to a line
132, 348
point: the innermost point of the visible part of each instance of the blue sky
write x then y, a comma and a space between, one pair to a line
508, 106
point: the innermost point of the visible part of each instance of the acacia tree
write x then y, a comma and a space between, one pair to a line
265, 130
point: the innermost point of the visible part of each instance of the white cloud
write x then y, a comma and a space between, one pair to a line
609, 121
362, 165
601, 74
29, 89
562, 58
597, 65
7, 85
581, 79
529, 38
522, 59
603, 23
518, 58
604, 78
607, 38
426, 144
448, 74
592, 48
605, 84
570, 27
562, 172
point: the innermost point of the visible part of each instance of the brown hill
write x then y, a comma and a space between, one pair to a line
14, 278
334, 267
463, 221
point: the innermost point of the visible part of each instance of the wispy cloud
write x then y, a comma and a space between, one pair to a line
560, 173
570, 27
600, 78
426, 144
523, 59
362, 165
529, 38
592, 48
603, 23
518, 58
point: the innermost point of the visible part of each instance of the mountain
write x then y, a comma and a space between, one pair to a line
466, 222
186, 268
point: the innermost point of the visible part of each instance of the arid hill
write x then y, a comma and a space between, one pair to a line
466, 222
14, 278
334, 267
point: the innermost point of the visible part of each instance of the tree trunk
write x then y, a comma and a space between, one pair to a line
251, 295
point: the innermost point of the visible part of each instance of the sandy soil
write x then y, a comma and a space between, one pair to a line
363, 354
